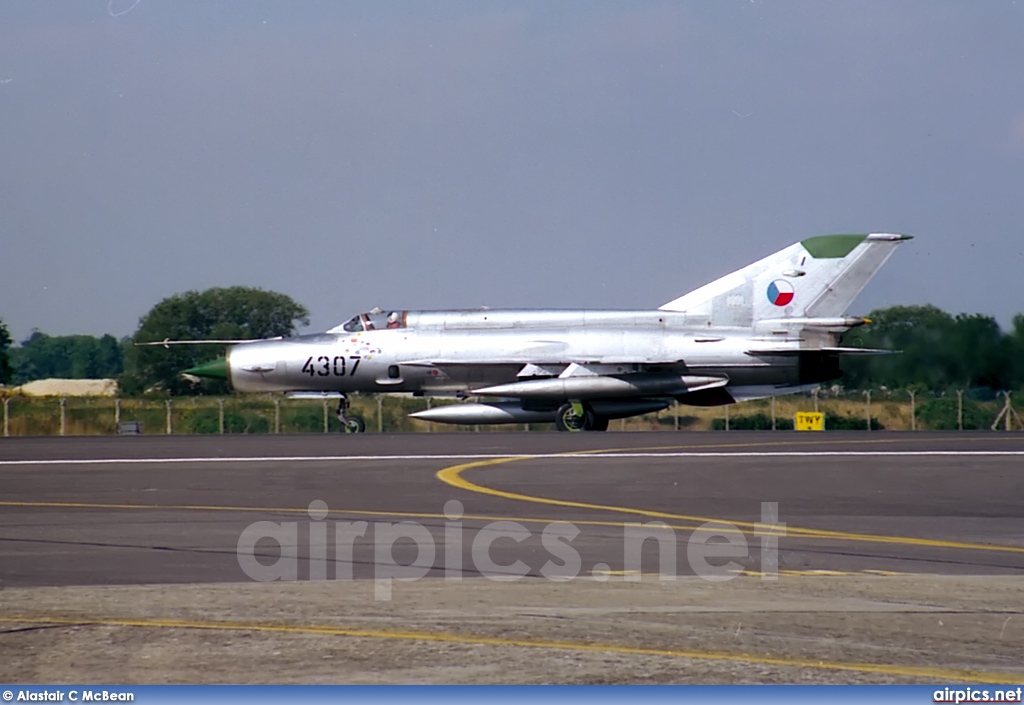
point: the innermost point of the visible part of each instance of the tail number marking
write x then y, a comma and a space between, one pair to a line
324, 366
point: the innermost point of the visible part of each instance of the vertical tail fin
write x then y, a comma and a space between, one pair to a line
816, 278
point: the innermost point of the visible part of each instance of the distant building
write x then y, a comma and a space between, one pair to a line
67, 388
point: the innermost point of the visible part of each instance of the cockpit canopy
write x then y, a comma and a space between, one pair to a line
375, 320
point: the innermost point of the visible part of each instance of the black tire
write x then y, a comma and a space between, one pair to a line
567, 420
353, 424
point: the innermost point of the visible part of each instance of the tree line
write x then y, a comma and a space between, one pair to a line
234, 313
42, 356
939, 351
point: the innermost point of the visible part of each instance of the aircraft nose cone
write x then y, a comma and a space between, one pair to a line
214, 369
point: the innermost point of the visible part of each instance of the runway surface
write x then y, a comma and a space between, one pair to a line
179, 509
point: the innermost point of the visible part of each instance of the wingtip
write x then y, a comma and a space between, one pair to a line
891, 237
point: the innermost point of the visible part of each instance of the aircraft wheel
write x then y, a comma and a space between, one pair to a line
600, 424
353, 424
566, 419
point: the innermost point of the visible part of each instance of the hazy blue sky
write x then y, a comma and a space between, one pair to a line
510, 154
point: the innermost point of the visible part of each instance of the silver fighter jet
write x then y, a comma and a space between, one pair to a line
769, 329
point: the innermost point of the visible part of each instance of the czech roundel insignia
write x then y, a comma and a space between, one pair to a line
780, 292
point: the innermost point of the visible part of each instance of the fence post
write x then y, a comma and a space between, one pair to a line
867, 395
325, 416
913, 411
277, 415
380, 413
772, 404
430, 426
63, 415
960, 410
7, 417
1009, 410
1008, 415
170, 428
220, 416
117, 414
675, 414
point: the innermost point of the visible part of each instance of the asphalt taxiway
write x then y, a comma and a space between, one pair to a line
880, 557
150, 510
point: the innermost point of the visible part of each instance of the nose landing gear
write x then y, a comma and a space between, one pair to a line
350, 423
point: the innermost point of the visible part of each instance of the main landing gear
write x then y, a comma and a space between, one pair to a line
578, 416
350, 423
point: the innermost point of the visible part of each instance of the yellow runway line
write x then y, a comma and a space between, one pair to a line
923, 672
453, 476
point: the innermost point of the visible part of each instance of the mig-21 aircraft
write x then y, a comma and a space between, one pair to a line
771, 328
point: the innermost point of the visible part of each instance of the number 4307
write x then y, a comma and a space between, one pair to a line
324, 366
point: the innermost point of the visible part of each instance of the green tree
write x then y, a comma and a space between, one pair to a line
1016, 352
5, 344
235, 313
920, 333
66, 357
937, 351
980, 353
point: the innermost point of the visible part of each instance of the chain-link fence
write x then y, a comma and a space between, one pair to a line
878, 409
842, 410
57, 416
